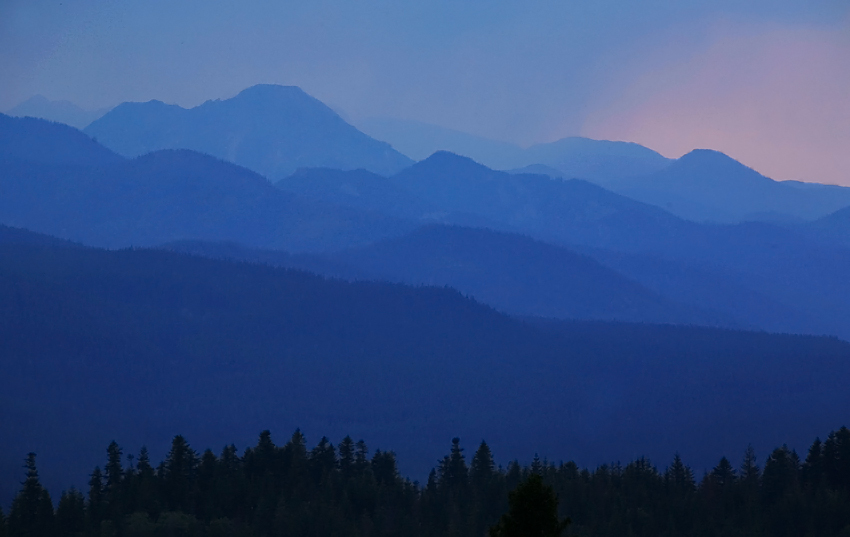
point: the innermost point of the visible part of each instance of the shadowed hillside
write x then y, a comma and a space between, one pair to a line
359, 189
47, 143
137, 344
563, 211
518, 275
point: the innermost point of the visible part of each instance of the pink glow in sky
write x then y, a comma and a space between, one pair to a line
777, 99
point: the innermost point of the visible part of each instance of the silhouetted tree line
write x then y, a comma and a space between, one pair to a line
328, 490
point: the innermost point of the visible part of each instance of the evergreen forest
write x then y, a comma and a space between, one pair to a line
328, 490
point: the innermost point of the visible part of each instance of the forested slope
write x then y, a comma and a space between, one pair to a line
137, 344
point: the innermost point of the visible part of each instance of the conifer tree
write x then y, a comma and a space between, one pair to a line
482, 467
361, 457
206, 502
230, 485
723, 474
113, 492
532, 512
322, 459
431, 504
261, 463
536, 465
842, 459
750, 471
71, 514
813, 466
346, 457
453, 470
487, 494
780, 474
96, 505
384, 467
179, 475
297, 445
145, 488
3, 524
32, 510
679, 477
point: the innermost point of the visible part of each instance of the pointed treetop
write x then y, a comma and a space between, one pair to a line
532, 512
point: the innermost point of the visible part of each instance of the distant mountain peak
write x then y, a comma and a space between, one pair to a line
709, 158
35, 99
273, 97
147, 106
443, 158
272, 90
268, 128
710, 186
611, 147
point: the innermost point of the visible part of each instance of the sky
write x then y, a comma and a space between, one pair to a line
767, 82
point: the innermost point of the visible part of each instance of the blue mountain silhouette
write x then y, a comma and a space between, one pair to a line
270, 129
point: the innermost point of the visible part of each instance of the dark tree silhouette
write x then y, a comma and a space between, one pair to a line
723, 474
71, 514
179, 475
533, 512
96, 506
3, 525
32, 510
278, 491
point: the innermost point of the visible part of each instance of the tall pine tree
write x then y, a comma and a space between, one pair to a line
96, 505
71, 514
32, 510
179, 475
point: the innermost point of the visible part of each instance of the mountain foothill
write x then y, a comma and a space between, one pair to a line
258, 262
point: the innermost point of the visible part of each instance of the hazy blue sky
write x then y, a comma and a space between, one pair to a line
766, 81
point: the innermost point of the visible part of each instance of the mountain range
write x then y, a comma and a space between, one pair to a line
45, 143
138, 345
272, 130
513, 273
66, 112
748, 274
289, 271
669, 269
78, 190
573, 157
703, 186
706, 185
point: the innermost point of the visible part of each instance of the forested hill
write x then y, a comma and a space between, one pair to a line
138, 344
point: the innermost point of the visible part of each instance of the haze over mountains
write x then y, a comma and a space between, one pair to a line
678, 271
66, 112
746, 275
574, 157
272, 130
707, 185
219, 350
302, 132
702, 185
526, 245
84, 192
441, 281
